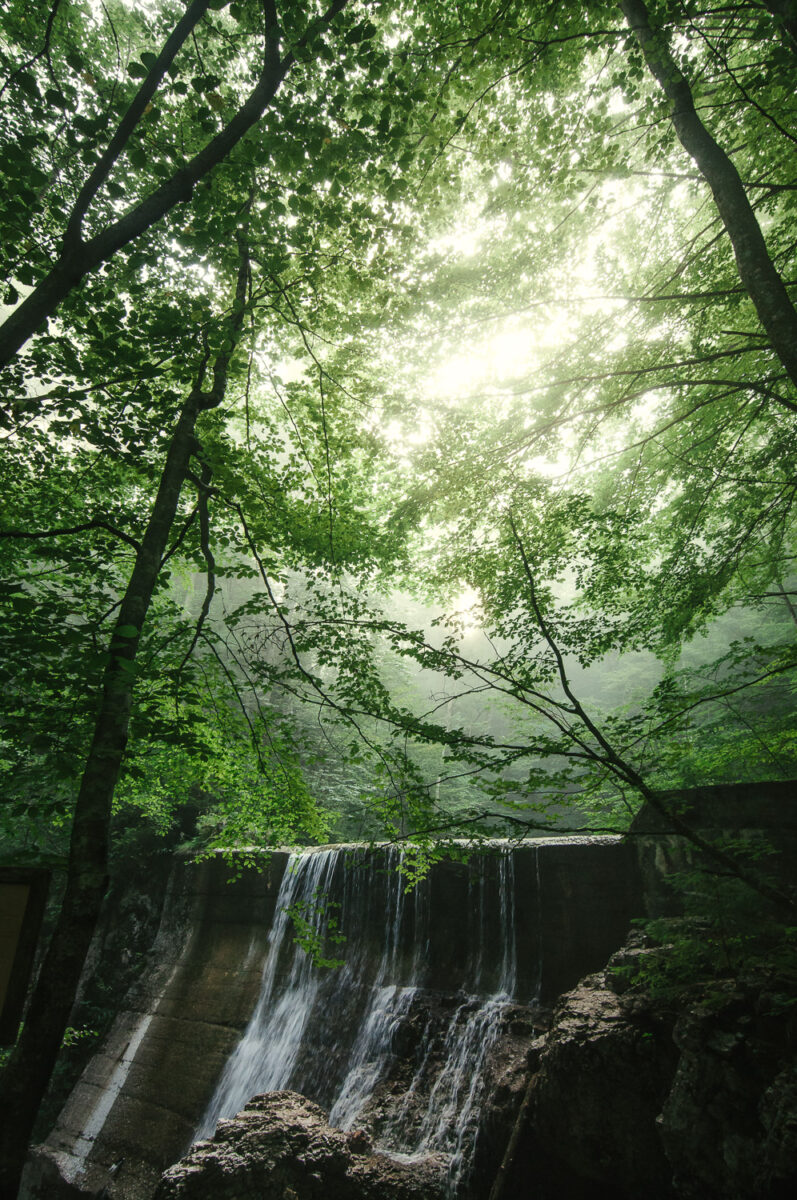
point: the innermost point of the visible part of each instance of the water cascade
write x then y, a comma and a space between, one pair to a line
420, 1036
332, 1033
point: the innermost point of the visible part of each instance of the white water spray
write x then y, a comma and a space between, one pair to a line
439, 1111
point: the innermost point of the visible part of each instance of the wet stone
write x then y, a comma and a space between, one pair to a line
281, 1145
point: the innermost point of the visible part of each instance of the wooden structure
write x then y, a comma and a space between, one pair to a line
23, 892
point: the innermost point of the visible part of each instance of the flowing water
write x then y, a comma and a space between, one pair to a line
332, 1033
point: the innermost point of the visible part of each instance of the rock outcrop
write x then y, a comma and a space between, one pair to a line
695, 1098
729, 1123
604, 1074
280, 1147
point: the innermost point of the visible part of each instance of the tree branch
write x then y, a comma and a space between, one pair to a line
71, 267
72, 240
204, 542
624, 771
97, 523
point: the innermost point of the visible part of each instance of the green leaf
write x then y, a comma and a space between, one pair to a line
56, 97
26, 81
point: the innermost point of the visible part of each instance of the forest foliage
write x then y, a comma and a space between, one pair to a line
496, 287
398, 416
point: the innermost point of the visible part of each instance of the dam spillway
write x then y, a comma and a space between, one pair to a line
395, 1038
330, 1032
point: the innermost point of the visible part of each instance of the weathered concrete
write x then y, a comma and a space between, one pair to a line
761, 815
141, 1098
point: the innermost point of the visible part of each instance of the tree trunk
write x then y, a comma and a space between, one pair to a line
756, 269
29, 316
25, 1078
27, 1074
499, 1183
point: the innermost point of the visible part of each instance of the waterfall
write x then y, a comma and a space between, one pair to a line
388, 1008
264, 1058
449, 1124
332, 1033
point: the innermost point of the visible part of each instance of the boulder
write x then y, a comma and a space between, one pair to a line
604, 1074
729, 1122
280, 1147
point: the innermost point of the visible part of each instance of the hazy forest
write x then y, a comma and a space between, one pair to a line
399, 425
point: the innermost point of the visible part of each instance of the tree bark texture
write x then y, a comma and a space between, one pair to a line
498, 1190
756, 269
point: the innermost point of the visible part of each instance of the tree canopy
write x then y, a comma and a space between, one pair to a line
398, 420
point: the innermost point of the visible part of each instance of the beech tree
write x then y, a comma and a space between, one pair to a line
757, 272
265, 146
26, 1076
644, 450
77, 255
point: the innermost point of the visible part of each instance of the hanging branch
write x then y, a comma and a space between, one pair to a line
627, 773
43, 53
96, 523
210, 562
178, 541
347, 714
330, 510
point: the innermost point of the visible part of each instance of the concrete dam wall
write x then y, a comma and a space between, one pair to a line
395, 1037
